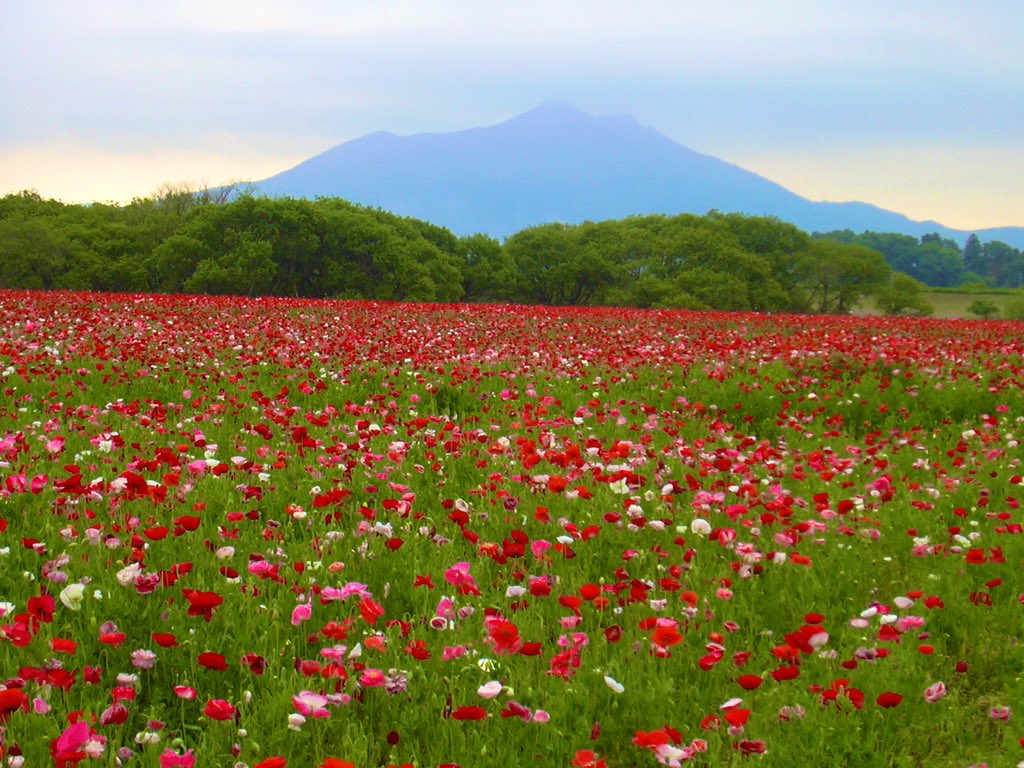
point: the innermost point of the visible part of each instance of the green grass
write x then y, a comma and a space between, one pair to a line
950, 304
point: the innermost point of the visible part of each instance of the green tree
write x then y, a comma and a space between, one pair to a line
839, 276
900, 251
776, 241
983, 308
172, 262
33, 253
489, 273
710, 289
544, 257
974, 257
902, 296
246, 270
1005, 264
938, 264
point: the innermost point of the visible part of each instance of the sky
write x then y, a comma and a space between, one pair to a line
916, 106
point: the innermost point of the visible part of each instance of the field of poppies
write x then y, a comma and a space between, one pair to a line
276, 532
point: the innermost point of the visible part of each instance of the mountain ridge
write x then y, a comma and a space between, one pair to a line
558, 163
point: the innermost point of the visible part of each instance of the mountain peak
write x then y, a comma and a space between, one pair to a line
555, 108
550, 113
556, 162
561, 113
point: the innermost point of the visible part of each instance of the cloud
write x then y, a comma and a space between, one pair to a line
75, 173
961, 187
116, 70
744, 79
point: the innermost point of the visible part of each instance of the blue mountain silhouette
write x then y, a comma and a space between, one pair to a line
557, 163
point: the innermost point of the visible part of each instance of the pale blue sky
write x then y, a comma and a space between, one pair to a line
914, 106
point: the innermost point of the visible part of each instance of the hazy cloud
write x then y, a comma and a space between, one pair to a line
739, 79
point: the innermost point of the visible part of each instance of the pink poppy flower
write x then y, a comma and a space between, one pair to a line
489, 690
372, 678
934, 693
310, 704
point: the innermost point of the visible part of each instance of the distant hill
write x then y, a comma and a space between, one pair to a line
556, 163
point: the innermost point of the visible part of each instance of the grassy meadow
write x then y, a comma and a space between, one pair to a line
270, 532
951, 305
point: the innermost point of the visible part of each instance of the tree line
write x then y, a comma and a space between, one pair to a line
181, 242
941, 262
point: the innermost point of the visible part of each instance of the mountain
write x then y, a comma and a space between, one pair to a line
557, 163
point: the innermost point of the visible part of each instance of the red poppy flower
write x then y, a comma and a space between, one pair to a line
651, 739
370, 610
889, 700
213, 661
60, 645
164, 640
747, 747
202, 603
749, 682
976, 557
586, 758
666, 637
505, 636
736, 717
787, 672
469, 713
113, 638
256, 664
613, 634
272, 762
589, 591
711, 723
218, 709
11, 700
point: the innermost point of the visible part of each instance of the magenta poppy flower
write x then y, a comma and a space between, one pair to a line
171, 759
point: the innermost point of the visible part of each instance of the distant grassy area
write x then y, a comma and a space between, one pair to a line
952, 304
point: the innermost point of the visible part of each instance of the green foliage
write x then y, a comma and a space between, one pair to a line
489, 272
246, 270
939, 262
190, 242
32, 254
983, 308
840, 275
902, 296
1014, 308
975, 259
1005, 264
